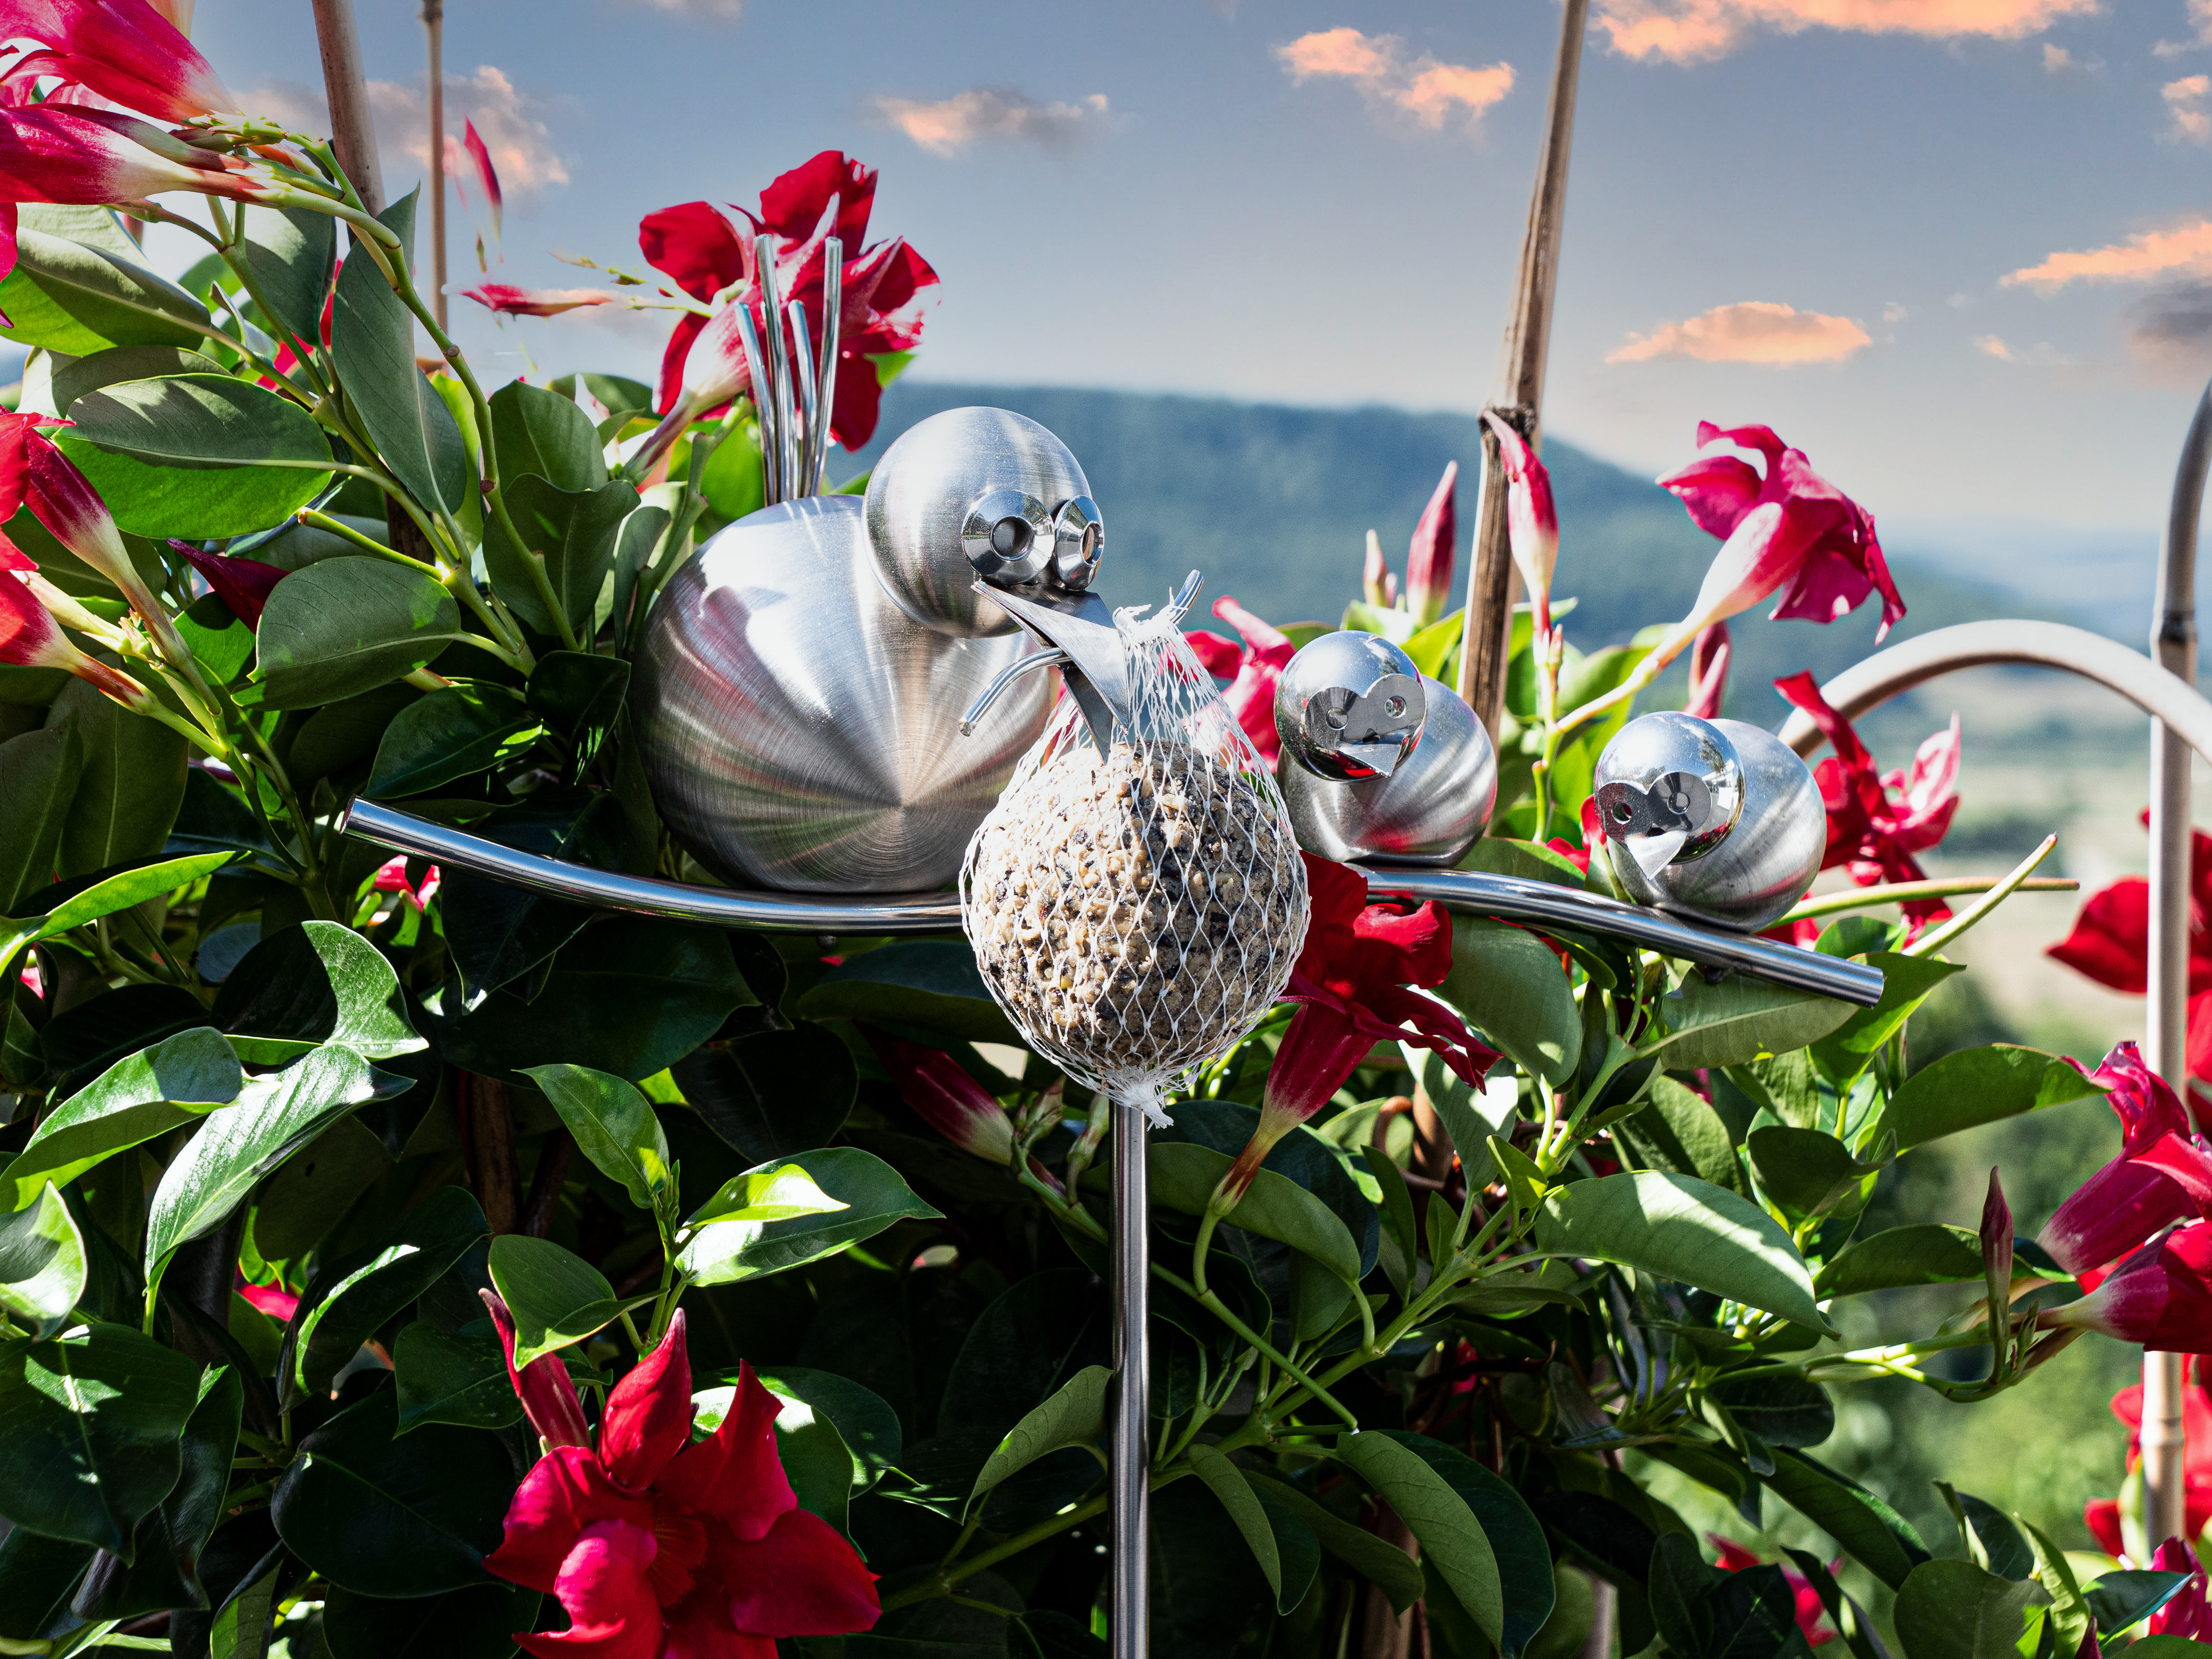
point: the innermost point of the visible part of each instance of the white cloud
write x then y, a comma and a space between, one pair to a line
2042, 354
1690, 31
1423, 87
2057, 60
2200, 23
1894, 312
509, 122
2184, 102
1750, 331
949, 125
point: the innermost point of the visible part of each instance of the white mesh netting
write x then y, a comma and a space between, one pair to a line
1138, 913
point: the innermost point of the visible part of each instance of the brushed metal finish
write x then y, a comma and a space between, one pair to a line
1469, 892
1349, 705
801, 731
1761, 864
1129, 1442
918, 502
1669, 788
1428, 811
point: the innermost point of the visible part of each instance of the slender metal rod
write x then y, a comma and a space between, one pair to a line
1129, 1435
825, 373
353, 132
763, 389
779, 361
1473, 892
433, 25
802, 361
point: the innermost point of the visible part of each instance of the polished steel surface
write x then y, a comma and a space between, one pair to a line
974, 712
1668, 789
779, 359
825, 375
1080, 626
800, 731
1078, 543
802, 363
1471, 892
918, 502
1007, 537
1428, 811
1762, 864
1128, 1444
1349, 705
763, 408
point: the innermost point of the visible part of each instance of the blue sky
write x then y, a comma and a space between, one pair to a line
1151, 195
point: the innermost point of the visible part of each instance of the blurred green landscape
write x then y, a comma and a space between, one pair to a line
1274, 505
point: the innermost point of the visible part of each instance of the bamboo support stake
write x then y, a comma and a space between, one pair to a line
353, 133
1527, 340
433, 26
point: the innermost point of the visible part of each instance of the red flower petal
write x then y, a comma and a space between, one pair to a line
603, 1589
696, 245
801, 1579
1717, 491
794, 204
2111, 940
244, 585
735, 1474
647, 1418
549, 1398
565, 1492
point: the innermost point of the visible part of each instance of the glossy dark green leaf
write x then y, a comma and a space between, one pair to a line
1265, 1534
1976, 1086
1954, 1610
1184, 1177
1855, 1624
1922, 1253
85, 1040
865, 1422
498, 932
930, 983
318, 982
1205, 1585
42, 1264
1782, 1411
236, 1145
299, 1205
213, 820
1906, 982
197, 455
2165, 1646
476, 1623
2122, 1601
614, 1125
578, 694
346, 626
37, 780
149, 1094
444, 1378
1510, 985
1075, 1415
722, 1252
774, 1093
542, 432
1683, 1229
243, 1627
91, 1431
1738, 1020
130, 782
1677, 1585
1807, 1172
1304, 1158
641, 533
471, 725
1516, 1537
39, 1577
1384, 1565
1993, 1539
372, 345
291, 253
733, 481
1452, 1539
630, 996
164, 1569
353, 1297
573, 531
1680, 1134
557, 1298
1883, 1541
73, 377
219, 642
408, 1517
77, 292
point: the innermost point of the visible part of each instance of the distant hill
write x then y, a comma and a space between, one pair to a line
1273, 504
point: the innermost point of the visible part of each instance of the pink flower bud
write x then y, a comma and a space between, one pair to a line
1532, 522
2159, 1297
30, 639
1376, 584
948, 1099
1428, 563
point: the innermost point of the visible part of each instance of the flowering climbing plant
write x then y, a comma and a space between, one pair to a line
392, 1262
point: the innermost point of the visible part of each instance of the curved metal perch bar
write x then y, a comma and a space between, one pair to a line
1471, 892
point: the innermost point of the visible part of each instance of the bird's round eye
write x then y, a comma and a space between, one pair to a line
1396, 706
1010, 536
1622, 811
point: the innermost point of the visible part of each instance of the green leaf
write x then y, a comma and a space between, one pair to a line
732, 480
318, 982
68, 296
372, 345
1807, 1172
1516, 1537
42, 1264
405, 1516
1452, 1540
1184, 1177
472, 726
1471, 1116
354, 1297
1398, 1211
37, 780
443, 1378
1851, 1620
137, 1098
219, 642
1906, 982
289, 253
273, 1117
631, 996
2070, 1613
816, 1460
2121, 1601
243, 1623
2163, 1646
930, 983
1976, 1086
301, 1203
542, 432
1925, 1253
578, 694
1738, 1020
1883, 1541
1677, 1582
130, 783
1782, 1411
1954, 1610
865, 1422
346, 626
1288, 1580
615, 1129
164, 1569
1075, 1415
1508, 984
91, 1431
1679, 1133
197, 455
38, 1579
873, 1195
557, 1298
641, 533
1384, 1565
774, 1094
1681, 1228
498, 933
1431, 647
1993, 1541
574, 530
1526, 861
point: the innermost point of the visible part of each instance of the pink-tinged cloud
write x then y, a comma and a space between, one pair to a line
1423, 87
2184, 102
2185, 250
1688, 31
2200, 21
949, 125
1751, 331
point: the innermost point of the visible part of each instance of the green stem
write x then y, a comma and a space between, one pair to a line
1929, 943
338, 527
1908, 892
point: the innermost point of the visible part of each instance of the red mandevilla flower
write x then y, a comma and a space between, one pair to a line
1876, 824
2102, 1515
654, 1546
2160, 1296
29, 639
1812, 1617
512, 301
2161, 1176
1709, 667
2110, 944
1532, 520
2186, 1613
947, 1098
1253, 670
1352, 979
127, 51
242, 584
1436, 547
